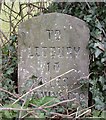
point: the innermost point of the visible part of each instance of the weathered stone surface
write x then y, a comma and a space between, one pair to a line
50, 45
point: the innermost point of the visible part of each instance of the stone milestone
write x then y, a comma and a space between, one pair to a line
49, 46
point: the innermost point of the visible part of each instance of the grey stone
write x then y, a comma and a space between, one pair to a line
50, 45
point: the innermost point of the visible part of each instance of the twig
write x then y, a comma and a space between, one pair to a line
75, 89
20, 113
88, 4
16, 96
77, 112
29, 112
69, 116
19, 22
11, 98
1, 89
62, 115
34, 6
1, 40
15, 109
89, 110
10, 17
23, 104
82, 110
4, 20
43, 85
85, 77
3, 35
25, 115
19, 109
8, 14
10, 8
65, 101
47, 103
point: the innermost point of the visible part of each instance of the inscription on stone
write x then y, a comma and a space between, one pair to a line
50, 45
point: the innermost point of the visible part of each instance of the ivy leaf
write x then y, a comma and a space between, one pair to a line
13, 38
41, 115
99, 26
103, 60
10, 71
88, 18
103, 114
102, 80
104, 87
12, 48
97, 52
7, 114
96, 113
46, 99
16, 106
98, 103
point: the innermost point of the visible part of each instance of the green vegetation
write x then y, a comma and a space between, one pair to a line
94, 14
